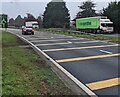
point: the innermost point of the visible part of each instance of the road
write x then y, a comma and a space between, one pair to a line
112, 35
92, 62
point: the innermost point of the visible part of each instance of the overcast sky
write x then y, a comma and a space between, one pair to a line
13, 8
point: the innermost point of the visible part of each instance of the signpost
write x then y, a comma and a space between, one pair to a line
3, 21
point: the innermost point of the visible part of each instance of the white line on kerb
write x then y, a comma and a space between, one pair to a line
106, 52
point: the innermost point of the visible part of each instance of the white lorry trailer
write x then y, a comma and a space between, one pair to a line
100, 24
33, 24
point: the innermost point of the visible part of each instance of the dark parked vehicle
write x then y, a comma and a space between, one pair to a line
28, 30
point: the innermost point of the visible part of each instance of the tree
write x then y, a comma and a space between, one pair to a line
19, 21
30, 17
56, 15
11, 22
113, 13
86, 10
39, 20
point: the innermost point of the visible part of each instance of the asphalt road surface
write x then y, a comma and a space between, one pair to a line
93, 62
112, 35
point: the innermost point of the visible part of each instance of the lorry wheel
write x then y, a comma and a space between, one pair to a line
110, 32
94, 31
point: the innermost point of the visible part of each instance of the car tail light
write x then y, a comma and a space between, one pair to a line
33, 30
24, 30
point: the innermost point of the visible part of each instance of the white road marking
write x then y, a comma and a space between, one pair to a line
54, 40
106, 52
69, 41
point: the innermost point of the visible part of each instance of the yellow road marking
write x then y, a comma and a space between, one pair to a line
63, 49
54, 40
87, 58
104, 84
64, 43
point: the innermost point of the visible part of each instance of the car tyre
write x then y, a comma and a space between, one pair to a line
32, 33
22, 33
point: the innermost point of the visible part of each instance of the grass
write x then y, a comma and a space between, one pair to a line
83, 35
49, 29
25, 73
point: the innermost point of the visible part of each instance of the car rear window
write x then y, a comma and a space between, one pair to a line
29, 27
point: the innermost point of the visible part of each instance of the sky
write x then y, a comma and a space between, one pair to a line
13, 8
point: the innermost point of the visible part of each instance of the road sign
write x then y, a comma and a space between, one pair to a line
3, 21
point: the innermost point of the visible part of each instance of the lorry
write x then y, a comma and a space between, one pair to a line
33, 24
99, 24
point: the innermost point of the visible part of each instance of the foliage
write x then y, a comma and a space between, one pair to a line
56, 15
11, 22
19, 21
39, 20
30, 17
87, 10
113, 13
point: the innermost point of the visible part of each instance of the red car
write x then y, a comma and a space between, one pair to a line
28, 30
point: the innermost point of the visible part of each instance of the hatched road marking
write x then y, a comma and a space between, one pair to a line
55, 40
39, 38
87, 58
104, 84
106, 52
69, 41
64, 43
63, 49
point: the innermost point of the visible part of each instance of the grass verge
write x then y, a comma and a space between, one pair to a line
25, 73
